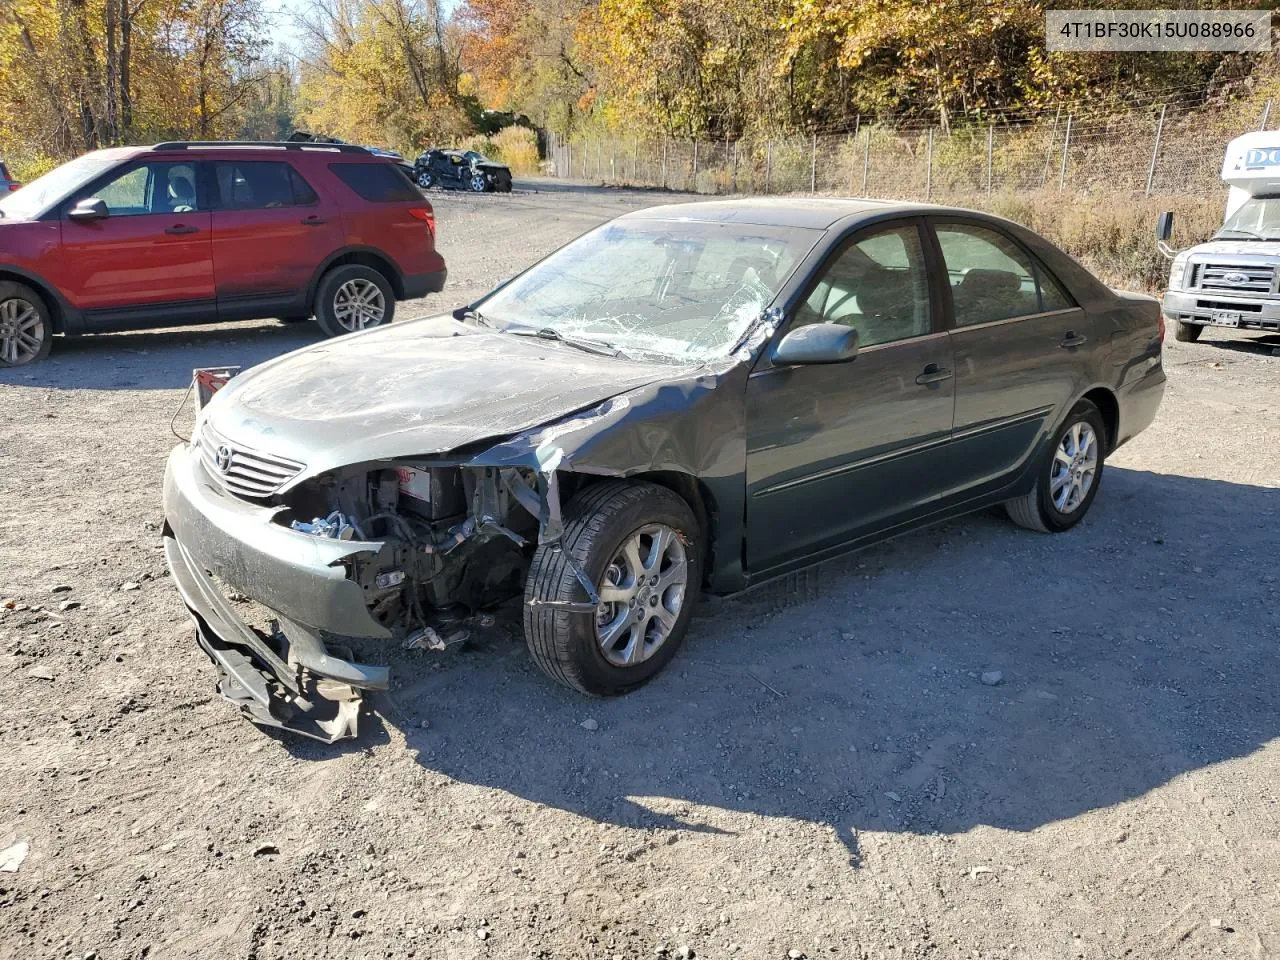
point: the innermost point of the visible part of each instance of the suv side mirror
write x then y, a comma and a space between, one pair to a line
818, 343
1164, 226
89, 209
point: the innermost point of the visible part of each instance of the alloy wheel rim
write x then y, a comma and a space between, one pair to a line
1074, 467
642, 592
22, 331
359, 304
477, 183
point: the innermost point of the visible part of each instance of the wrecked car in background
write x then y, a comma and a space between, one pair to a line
689, 398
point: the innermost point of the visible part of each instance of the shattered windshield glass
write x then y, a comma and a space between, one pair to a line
1257, 219
683, 289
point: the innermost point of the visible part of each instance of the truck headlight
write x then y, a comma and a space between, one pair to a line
1176, 273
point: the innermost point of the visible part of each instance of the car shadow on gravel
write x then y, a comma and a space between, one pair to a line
972, 674
158, 359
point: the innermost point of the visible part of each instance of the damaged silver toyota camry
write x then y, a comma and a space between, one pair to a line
690, 398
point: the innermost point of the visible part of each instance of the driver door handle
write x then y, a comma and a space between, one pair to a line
933, 374
313, 221
180, 228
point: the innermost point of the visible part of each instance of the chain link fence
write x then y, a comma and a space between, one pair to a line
1158, 150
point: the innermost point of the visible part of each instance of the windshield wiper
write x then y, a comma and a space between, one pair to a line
547, 333
1248, 233
470, 313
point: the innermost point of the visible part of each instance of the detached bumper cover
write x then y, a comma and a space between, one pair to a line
290, 679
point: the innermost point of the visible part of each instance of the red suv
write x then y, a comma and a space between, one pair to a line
183, 233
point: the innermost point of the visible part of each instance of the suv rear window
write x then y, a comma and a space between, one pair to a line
377, 182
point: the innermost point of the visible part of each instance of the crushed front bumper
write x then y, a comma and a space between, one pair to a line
290, 678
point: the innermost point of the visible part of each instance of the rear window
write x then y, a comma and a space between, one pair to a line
377, 182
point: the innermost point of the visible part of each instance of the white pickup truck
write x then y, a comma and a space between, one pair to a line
1231, 281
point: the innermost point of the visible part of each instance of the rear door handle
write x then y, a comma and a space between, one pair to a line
933, 374
180, 228
313, 221
1072, 339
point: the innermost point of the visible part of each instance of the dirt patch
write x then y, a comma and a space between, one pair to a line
833, 775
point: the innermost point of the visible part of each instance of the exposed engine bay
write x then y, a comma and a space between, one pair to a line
454, 539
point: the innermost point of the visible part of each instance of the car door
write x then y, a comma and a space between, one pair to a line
839, 450
456, 169
151, 254
271, 232
1022, 349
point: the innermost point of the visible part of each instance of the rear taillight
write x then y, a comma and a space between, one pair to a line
14, 186
427, 216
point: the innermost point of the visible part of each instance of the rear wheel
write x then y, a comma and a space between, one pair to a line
425, 180
639, 545
1187, 332
26, 326
353, 297
1068, 481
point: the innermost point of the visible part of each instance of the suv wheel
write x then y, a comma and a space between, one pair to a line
478, 182
352, 298
1187, 332
26, 328
1068, 481
426, 180
639, 545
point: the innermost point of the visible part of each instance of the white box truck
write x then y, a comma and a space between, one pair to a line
1231, 281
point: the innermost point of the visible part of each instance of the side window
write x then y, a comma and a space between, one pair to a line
1052, 296
377, 182
992, 278
253, 185
149, 188
303, 195
878, 285
127, 194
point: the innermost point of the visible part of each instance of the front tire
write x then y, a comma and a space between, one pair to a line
353, 297
478, 183
1187, 332
1067, 480
640, 546
26, 326
426, 181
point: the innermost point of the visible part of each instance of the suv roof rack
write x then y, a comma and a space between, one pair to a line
275, 144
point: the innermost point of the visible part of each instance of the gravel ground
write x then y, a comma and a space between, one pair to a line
833, 777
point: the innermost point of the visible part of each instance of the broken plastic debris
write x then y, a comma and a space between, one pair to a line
335, 526
11, 857
424, 639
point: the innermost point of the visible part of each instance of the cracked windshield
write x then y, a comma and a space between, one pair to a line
682, 290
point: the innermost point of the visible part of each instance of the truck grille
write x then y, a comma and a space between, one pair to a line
1244, 277
244, 472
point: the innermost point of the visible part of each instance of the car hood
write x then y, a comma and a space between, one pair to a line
483, 165
414, 388
1260, 248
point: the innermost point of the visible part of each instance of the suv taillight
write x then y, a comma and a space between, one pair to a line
427, 216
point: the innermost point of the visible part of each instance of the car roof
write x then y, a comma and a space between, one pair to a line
817, 213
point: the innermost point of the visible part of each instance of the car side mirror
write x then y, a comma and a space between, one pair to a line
89, 209
1164, 226
818, 343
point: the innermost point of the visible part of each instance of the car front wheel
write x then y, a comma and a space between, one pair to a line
478, 183
26, 329
639, 545
426, 180
1067, 481
353, 297
1187, 332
